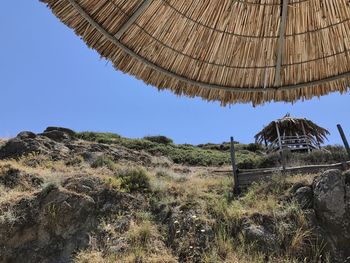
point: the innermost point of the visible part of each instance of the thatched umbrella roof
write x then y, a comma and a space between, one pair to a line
290, 126
226, 50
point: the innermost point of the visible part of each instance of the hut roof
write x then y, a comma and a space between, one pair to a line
233, 51
290, 126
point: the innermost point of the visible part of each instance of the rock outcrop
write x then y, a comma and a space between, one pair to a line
326, 206
61, 144
51, 223
59, 134
332, 207
28, 143
57, 221
304, 196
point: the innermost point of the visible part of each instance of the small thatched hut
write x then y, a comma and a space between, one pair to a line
292, 133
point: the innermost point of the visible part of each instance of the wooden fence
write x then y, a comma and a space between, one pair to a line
247, 177
243, 178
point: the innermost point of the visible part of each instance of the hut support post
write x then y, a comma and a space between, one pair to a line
280, 146
307, 139
234, 168
265, 139
318, 144
345, 141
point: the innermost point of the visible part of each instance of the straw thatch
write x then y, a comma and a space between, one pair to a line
226, 50
290, 126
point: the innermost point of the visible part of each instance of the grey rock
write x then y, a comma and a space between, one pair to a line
67, 131
119, 245
56, 222
57, 136
26, 143
123, 224
26, 135
296, 186
332, 206
304, 197
17, 147
260, 236
61, 144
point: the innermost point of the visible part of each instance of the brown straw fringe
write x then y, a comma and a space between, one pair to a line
222, 50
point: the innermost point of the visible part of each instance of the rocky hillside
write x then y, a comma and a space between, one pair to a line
62, 144
88, 197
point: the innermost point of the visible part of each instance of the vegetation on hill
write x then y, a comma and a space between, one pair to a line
101, 199
181, 218
248, 156
162, 146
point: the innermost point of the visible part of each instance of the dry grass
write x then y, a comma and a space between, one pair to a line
143, 242
304, 178
89, 257
7, 216
209, 196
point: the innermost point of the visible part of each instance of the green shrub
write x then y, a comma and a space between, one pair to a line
269, 161
179, 154
113, 182
158, 139
101, 137
75, 161
223, 147
248, 156
185, 154
134, 180
248, 163
104, 161
253, 147
330, 155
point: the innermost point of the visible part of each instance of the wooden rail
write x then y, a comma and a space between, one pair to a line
243, 178
294, 143
247, 177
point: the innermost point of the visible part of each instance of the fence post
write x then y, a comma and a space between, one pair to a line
345, 141
234, 168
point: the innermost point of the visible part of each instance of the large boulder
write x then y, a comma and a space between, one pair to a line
26, 135
332, 206
67, 131
19, 146
58, 143
27, 143
53, 224
59, 134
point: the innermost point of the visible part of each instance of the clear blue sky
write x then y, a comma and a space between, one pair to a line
49, 77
